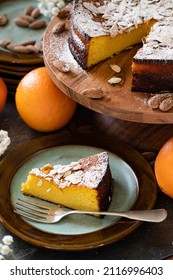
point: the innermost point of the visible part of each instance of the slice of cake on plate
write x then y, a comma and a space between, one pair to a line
82, 185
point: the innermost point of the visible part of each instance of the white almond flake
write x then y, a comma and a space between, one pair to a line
48, 190
115, 68
114, 80
74, 178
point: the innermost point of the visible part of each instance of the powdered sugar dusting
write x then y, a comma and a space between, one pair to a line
113, 17
159, 43
85, 172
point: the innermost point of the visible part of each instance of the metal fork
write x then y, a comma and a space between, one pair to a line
52, 214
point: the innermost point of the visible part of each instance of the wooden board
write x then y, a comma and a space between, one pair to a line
117, 101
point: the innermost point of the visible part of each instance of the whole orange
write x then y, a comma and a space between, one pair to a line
164, 168
41, 104
3, 94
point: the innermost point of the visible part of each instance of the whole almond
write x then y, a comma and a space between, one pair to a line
166, 104
114, 80
3, 20
155, 100
35, 13
63, 13
62, 66
4, 42
93, 93
38, 24
10, 46
21, 22
29, 42
28, 10
115, 68
32, 48
18, 48
27, 18
39, 47
58, 28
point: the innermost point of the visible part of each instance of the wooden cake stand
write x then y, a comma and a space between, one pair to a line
83, 86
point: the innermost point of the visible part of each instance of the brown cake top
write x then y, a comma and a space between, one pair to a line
112, 17
158, 44
87, 172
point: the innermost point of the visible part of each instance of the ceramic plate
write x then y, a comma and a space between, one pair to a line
134, 187
18, 34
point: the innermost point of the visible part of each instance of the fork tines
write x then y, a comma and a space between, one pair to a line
27, 208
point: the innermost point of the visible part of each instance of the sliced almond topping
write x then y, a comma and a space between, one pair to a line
115, 68
46, 168
114, 80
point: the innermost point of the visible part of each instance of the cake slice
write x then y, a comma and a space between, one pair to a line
152, 67
82, 185
99, 29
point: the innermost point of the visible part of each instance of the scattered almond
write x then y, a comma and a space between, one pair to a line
28, 18
29, 42
166, 104
39, 47
115, 68
21, 49
21, 22
28, 10
62, 66
93, 93
114, 80
35, 12
58, 28
63, 13
3, 20
37, 24
155, 100
4, 42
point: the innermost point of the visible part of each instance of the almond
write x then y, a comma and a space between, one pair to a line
58, 28
3, 20
4, 42
29, 42
35, 13
166, 104
37, 24
155, 100
62, 66
93, 93
63, 13
114, 80
21, 22
28, 18
115, 68
28, 10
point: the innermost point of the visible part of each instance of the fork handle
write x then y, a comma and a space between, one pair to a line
155, 215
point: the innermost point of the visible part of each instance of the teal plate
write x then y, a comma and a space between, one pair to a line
125, 188
18, 34
134, 188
